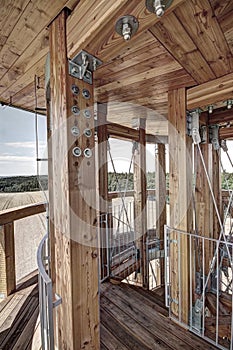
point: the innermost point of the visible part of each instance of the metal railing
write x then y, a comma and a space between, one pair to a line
208, 279
46, 303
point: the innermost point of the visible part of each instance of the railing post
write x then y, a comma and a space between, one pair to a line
7, 260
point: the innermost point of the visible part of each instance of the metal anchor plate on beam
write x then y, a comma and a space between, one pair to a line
83, 65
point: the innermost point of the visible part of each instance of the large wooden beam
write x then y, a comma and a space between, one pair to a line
7, 260
214, 91
226, 133
97, 32
180, 189
122, 132
140, 199
74, 192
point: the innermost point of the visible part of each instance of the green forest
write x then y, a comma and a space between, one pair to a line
116, 182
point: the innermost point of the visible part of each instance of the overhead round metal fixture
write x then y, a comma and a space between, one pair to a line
210, 109
127, 26
229, 104
158, 6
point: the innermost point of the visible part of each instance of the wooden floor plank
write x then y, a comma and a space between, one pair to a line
26, 338
19, 324
109, 341
139, 313
131, 318
112, 325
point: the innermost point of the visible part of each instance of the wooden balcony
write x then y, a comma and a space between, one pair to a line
131, 318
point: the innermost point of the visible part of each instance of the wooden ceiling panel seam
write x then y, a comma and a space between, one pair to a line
105, 47
221, 8
25, 80
34, 19
198, 19
13, 7
211, 92
25, 62
173, 36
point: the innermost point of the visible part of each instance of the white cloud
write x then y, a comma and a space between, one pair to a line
27, 144
12, 158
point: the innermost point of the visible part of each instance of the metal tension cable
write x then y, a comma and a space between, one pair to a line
196, 140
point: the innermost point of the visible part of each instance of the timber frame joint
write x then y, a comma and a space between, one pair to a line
83, 65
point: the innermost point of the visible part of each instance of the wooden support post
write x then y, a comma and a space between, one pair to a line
103, 186
74, 198
7, 260
140, 199
180, 189
160, 190
217, 189
203, 200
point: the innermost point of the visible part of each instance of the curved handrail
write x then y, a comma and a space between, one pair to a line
40, 264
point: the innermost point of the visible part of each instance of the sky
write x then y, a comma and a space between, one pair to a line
18, 141
18, 146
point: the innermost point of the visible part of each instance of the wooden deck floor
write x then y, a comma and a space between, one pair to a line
131, 319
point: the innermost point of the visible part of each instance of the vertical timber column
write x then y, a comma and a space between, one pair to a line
74, 198
140, 200
203, 200
160, 190
180, 188
103, 184
217, 189
7, 260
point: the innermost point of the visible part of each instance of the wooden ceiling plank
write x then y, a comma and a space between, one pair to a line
199, 21
103, 41
157, 85
30, 58
226, 133
130, 53
154, 61
25, 79
182, 47
152, 73
87, 21
220, 117
35, 17
107, 73
221, 8
11, 11
214, 91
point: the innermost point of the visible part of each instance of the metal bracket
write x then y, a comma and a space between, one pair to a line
214, 136
194, 126
83, 65
224, 145
203, 134
57, 301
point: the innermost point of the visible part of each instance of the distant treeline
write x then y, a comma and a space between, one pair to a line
116, 182
23, 183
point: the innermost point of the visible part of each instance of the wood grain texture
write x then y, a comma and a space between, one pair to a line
180, 186
74, 191
10, 215
160, 185
7, 260
197, 18
182, 47
104, 42
211, 92
140, 200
